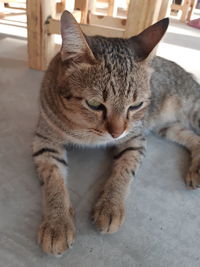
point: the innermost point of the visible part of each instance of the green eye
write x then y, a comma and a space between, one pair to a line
95, 105
135, 107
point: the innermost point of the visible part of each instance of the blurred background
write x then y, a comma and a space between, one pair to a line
114, 18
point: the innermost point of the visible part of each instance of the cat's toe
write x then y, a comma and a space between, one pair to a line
108, 216
193, 178
55, 237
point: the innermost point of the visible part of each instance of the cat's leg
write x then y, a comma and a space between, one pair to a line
57, 230
109, 212
189, 139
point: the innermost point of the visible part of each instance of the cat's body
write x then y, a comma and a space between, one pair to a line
175, 96
99, 92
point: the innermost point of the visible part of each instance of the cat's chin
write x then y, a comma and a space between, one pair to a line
107, 140
86, 139
104, 141
121, 136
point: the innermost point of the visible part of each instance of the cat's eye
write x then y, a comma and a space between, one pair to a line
135, 107
95, 105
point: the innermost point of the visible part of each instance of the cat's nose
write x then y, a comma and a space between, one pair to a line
116, 130
115, 135
116, 126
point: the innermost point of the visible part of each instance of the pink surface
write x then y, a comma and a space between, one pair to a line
195, 23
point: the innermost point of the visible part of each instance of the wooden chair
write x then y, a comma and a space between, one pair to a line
74, 6
6, 4
186, 8
111, 7
43, 24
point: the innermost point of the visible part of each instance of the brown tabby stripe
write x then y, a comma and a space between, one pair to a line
105, 95
60, 160
139, 135
139, 149
41, 136
64, 105
78, 98
44, 150
41, 183
113, 87
194, 117
135, 95
129, 89
69, 97
163, 131
51, 98
63, 115
133, 173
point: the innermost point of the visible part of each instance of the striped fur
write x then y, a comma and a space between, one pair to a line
137, 96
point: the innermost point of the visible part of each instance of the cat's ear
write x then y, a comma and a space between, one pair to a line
145, 42
74, 44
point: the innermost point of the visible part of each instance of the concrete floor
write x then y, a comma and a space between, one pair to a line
162, 227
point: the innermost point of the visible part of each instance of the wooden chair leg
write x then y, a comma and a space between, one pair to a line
165, 9
82, 5
92, 6
186, 6
110, 7
141, 14
60, 6
41, 45
193, 4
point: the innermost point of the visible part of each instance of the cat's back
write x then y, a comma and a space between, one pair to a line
173, 90
167, 76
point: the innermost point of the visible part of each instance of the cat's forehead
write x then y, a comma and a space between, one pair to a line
102, 45
117, 93
114, 53
117, 76
119, 81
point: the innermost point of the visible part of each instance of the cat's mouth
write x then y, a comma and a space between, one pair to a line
120, 136
107, 136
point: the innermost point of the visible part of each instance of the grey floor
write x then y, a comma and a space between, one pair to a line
162, 227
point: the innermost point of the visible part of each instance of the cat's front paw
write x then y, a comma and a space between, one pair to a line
108, 215
56, 236
193, 179
193, 176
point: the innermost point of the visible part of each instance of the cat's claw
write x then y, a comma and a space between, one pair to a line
56, 236
193, 178
108, 216
193, 181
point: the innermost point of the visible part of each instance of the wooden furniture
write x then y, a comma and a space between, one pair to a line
71, 5
186, 8
111, 10
43, 24
6, 3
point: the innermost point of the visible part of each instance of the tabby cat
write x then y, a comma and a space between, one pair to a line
108, 91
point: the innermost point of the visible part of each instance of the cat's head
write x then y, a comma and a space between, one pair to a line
104, 82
